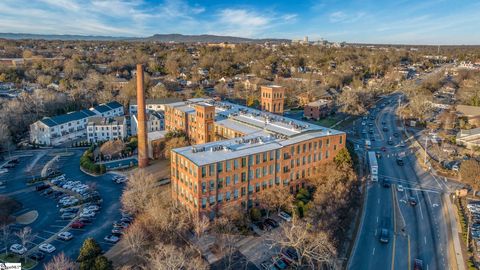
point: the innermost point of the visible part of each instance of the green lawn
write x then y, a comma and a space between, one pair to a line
327, 122
12, 258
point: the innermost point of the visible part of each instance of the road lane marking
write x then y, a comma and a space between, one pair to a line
425, 240
419, 204
377, 219
378, 201
409, 264
393, 251
373, 252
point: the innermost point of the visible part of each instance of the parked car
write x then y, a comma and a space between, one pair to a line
87, 214
92, 208
268, 265
3, 171
41, 187
117, 231
68, 215
18, 249
65, 236
271, 222
48, 248
111, 238
77, 225
290, 254
400, 161
384, 236
400, 188
279, 263
284, 216
37, 256
412, 201
85, 220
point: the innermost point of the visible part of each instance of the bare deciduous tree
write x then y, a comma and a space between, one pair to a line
136, 237
60, 262
275, 198
169, 257
25, 235
139, 191
314, 248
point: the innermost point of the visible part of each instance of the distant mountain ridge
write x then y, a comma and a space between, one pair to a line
157, 37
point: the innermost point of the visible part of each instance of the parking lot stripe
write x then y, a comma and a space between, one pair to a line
43, 238
57, 226
50, 232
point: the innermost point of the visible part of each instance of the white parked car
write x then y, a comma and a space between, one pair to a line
3, 171
400, 188
284, 216
87, 214
111, 238
18, 249
65, 236
92, 208
49, 248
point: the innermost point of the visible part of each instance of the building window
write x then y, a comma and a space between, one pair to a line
204, 187
244, 191
257, 158
227, 181
257, 187
227, 196
326, 154
219, 167
250, 189
270, 184
204, 202
341, 139
204, 171
264, 157
250, 160
211, 169
235, 179
212, 200
270, 169
212, 185
220, 183
220, 197
328, 141
258, 173
244, 177
244, 162
264, 184
227, 166
235, 194
235, 164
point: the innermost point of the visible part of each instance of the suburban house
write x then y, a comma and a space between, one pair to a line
318, 109
469, 138
108, 109
470, 113
155, 122
152, 104
106, 128
156, 140
61, 128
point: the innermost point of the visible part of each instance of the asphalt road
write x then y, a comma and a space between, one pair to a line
415, 231
48, 222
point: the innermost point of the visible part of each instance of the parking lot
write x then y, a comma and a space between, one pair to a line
48, 222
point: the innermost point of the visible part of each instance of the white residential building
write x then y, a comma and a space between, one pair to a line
53, 131
152, 104
56, 130
469, 138
109, 109
106, 128
155, 122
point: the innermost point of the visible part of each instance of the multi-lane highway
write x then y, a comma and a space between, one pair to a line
414, 231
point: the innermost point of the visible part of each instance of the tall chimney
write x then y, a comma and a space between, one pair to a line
142, 125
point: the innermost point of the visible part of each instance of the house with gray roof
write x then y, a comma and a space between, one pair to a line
106, 128
56, 130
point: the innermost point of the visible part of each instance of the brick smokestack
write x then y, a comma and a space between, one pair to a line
142, 124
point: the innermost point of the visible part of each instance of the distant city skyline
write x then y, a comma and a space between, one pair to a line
396, 22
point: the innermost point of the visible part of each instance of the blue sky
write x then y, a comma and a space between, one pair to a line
367, 21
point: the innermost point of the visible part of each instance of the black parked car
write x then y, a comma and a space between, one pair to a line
41, 187
271, 222
37, 256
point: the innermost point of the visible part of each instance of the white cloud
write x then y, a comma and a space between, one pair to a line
343, 17
242, 17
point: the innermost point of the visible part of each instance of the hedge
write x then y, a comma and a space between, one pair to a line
86, 162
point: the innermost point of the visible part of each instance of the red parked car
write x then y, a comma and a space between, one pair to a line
77, 225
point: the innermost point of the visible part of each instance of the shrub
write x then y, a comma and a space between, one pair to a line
255, 214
